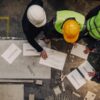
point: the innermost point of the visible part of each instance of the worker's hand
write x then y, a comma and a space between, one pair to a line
43, 54
75, 45
87, 50
92, 74
93, 50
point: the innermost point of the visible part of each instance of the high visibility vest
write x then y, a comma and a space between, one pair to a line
61, 16
93, 26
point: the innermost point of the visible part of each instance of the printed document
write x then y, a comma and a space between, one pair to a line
55, 59
11, 53
79, 76
76, 79
85, 68
79, 51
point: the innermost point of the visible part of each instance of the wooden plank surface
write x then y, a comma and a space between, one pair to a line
15, 81
11, 92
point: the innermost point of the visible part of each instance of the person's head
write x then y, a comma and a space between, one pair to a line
36, 15
71, 30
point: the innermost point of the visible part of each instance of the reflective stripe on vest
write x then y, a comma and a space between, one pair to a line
66, 14
93, 26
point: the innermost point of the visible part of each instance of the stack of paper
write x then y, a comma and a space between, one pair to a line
79, 51
76, 76
55, 59
11, 53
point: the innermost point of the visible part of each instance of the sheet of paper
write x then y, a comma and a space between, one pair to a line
28, 50
11, 53
90, 96
76, 79
78, 51
55, 59
85, 68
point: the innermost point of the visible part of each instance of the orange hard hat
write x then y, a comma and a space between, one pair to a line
71, 30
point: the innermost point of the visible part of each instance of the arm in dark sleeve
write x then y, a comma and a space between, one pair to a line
93, 12
28, 31
27, 27
32, 41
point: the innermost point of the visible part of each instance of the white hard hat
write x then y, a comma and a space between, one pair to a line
36, 15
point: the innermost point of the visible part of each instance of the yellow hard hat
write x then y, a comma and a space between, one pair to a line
71, 30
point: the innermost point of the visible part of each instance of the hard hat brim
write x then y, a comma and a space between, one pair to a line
70, 40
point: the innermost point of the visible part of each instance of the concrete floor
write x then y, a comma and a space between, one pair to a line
14, 9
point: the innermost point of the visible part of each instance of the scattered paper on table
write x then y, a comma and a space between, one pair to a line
11, 53
76, 79
79, 51
55, 59
90, 96
85, 68
19, 68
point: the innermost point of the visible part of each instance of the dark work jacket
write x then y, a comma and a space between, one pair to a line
93, 12
91, 42
30, 30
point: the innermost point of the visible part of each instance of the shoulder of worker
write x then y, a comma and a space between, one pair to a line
93, 12
36, 2
68, 12
97, 8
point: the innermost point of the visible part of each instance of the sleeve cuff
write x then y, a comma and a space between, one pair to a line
98, 75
